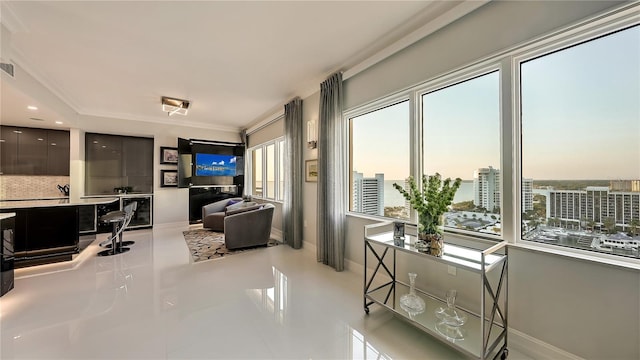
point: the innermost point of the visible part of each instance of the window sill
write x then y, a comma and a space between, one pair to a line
605, 259
267, 200
454, 234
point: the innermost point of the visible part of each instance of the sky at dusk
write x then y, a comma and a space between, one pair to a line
580, 119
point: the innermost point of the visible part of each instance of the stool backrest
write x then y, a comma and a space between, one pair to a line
129, 210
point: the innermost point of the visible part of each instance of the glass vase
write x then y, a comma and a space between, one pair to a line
449, 315
412, 303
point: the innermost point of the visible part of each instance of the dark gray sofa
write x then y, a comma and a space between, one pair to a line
213, 214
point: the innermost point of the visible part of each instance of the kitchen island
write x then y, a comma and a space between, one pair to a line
47, 230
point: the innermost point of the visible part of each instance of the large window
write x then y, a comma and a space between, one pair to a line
545, 137
267, 177
379, 158
581, 145
461, 139
256, 175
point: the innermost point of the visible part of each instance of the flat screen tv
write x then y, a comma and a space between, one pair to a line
215, 165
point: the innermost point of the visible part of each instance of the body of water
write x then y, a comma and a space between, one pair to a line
392, 197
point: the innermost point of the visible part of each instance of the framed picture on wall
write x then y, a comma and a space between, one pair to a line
168, 155
311, 170
168, 178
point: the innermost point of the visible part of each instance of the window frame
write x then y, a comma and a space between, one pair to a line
598, 27
368, 108
279, 145
448, 80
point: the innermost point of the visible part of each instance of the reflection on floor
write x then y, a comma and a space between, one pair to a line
154, 303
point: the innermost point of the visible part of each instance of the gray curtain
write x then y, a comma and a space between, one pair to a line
331, 186
293, 140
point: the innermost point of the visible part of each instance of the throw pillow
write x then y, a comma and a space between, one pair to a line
231, 202
235, 206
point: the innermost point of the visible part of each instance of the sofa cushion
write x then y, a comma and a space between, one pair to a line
242, 209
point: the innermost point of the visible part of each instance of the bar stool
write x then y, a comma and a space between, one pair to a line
119, 221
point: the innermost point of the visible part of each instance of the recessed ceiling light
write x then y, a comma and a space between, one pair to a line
53, 144
95, 141
31, 107
59, 122
40, 139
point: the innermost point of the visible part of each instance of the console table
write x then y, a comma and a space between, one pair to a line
482, 339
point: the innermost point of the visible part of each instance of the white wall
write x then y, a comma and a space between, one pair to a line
586, 308
310, 111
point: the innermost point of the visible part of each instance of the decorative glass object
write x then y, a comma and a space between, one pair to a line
449, 315
451, 333
412, 303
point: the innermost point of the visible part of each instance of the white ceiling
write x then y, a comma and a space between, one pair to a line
238, 62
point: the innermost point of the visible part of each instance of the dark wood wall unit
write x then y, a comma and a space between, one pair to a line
31, 151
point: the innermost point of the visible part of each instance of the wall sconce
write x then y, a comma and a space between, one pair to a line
312, 135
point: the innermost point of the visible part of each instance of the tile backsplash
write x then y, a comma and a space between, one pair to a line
20, 187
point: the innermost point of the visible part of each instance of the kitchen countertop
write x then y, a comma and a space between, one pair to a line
118, 195
24, 204
7, 215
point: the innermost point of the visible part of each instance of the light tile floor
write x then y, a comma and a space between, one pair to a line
153, 303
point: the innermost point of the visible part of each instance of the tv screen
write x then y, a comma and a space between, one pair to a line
215, 165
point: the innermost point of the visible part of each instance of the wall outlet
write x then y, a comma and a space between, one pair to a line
451, 270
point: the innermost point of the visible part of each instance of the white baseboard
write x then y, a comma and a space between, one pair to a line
171, 225
276, 234
537, 349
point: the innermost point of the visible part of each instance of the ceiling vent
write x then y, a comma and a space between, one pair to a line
8, 68
175, 106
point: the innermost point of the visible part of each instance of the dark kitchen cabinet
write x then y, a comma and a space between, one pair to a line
45, 234
7, 259
31, 151
8, 150
114, 163
58, 153
87, 218
144, 211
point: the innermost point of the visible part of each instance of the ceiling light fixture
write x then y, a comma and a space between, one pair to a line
59, 122
175, 106
31, 107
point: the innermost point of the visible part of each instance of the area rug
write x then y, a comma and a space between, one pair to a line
206, 245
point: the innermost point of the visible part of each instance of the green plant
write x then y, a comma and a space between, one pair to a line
431, 201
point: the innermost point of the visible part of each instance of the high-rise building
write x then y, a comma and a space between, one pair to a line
595, 203
625, 185
486, 188
407, 203
527, 194
368, 194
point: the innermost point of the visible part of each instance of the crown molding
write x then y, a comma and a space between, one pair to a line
162, 121
9, 19
434, 18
